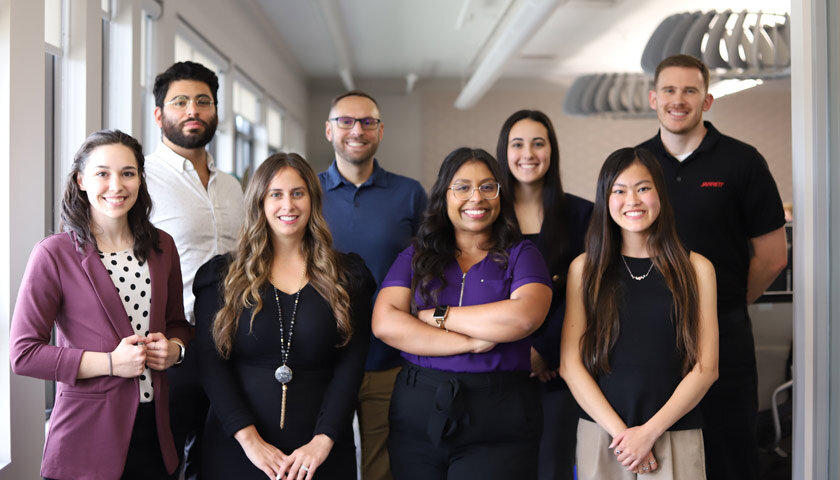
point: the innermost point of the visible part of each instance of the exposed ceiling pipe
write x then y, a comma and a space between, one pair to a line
341, 40
525, 21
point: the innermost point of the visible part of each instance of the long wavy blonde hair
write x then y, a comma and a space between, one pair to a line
250, 267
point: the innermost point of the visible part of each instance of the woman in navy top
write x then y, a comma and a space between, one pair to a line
529, 156
460, 304
640, 340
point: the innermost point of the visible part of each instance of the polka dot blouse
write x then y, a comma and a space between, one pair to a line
131, 277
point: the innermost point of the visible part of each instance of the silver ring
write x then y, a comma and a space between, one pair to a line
646, 468
304, 468
652, 462
617, 451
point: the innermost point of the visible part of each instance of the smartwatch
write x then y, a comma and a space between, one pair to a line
440, 316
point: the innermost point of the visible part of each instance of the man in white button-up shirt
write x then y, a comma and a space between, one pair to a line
200, 206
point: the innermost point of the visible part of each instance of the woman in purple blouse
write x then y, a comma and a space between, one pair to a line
460, 304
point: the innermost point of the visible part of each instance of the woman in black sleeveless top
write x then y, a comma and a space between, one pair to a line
640, 342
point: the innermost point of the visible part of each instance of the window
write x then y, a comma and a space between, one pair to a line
106, 64
274, 129
151, 133
244, 141
53, 34
189, 45
246, 108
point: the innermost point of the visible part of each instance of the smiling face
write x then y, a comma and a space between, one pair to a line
287, 205
528, 151
680, 99
634, 201
476, 214
354, 145
111, 181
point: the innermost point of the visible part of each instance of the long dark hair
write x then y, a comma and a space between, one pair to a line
75, 207
434, 246
555, 241
602, 292
251, 265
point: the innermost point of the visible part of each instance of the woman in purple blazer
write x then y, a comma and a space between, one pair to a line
111, 285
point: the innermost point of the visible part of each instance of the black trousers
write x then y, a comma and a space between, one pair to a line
559, 436
730, 407
464, 425
188, 406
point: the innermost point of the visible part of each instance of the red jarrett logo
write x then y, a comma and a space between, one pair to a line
711, 184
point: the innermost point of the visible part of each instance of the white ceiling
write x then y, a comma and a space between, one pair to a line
393, 38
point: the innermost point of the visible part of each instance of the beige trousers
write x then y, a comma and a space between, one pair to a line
374, 401
679, 455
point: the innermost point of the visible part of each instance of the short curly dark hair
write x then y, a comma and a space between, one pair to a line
184, 71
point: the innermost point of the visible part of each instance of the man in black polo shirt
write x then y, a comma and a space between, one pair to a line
728, 209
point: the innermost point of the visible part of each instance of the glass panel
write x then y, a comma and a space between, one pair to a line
273, 125
245, 102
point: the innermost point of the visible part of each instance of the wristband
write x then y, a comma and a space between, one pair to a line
110, 365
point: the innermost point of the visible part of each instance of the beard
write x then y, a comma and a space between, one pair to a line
174, 131
355, 157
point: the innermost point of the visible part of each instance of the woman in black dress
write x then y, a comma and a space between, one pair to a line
283, 325
640, 338
556, 222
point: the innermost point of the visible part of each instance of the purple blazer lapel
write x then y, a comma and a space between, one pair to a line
106, 292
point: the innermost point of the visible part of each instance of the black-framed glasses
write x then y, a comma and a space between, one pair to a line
181, 102
464, 191
346, 123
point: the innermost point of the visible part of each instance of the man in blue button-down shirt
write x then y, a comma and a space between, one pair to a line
374, 213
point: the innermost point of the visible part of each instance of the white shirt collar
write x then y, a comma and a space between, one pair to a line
178, 162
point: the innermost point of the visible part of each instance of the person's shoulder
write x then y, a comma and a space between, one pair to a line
54, 246
702, 265
56, 241
651, 144
576, 267
402, 182
358, 274
227, 179
212, 273
524, 249
165, 240
352, 261
733, 149
578, 204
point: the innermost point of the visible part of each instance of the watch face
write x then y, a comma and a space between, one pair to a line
440, 311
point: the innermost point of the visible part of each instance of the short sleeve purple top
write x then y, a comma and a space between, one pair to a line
485, 282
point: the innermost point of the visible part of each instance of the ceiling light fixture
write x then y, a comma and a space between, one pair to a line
722, 88
524, 23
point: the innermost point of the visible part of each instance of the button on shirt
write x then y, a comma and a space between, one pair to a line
203, 222
484, 282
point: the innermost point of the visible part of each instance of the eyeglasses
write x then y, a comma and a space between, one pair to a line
464, 191
346, 123
201, 102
